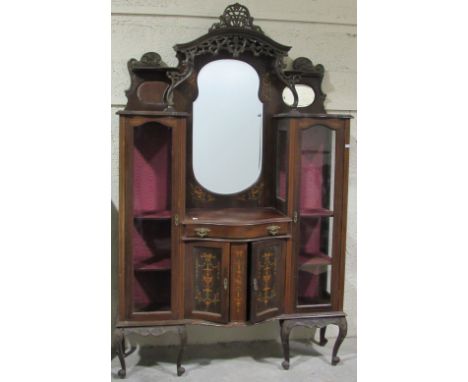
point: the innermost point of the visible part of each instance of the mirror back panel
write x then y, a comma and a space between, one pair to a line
227, 145
268, 101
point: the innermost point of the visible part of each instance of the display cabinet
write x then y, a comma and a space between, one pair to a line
233, 190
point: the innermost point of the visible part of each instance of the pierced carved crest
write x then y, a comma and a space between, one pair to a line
236, 16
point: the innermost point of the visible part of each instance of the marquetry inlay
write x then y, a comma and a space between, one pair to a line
266, 275
207, 279
238, 280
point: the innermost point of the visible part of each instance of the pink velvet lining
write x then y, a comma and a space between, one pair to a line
151, 291
282, 164
310, 236
151, 236
313, 261
308, 286
312, 165
151, 169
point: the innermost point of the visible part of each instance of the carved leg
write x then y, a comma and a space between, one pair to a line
343, 325
183, 343
323, 340
285, 330
121, 352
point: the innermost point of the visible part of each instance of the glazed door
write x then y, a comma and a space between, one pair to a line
149, 193
319, 210
267, 280
207, 281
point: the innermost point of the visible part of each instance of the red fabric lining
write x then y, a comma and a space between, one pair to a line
310, 236
151, 239
151, 169
312, 162
308, 285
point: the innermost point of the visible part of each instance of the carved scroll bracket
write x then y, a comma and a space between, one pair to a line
235, 34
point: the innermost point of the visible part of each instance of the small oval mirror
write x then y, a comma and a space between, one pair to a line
305, 93
227, 127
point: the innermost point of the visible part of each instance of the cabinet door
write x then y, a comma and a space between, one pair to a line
148, 202
267, 290
207, 281
319, 209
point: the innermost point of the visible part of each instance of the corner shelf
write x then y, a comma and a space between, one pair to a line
307, 263
154, 215
158, 265
316, 212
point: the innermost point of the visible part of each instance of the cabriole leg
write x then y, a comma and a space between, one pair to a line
323, 340
121, 352
343, 325
285, 330
183, 343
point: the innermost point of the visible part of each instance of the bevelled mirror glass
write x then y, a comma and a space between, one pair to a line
305, 95
227, 127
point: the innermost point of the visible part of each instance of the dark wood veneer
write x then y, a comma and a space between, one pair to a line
232, 260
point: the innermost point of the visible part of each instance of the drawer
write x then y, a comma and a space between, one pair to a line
250, 231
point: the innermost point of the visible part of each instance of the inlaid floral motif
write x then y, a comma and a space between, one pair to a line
207, 281
266, 273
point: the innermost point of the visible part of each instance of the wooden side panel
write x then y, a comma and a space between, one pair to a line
207, 281
238, 295
342, 253
267, 292
124, 219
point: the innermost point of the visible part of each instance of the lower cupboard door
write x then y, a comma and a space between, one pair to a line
267, 279
207, 281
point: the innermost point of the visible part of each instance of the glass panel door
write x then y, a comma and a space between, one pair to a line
314, 252
282, 142
152, 213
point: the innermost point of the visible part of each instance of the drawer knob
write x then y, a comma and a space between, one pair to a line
202, 232
273, 230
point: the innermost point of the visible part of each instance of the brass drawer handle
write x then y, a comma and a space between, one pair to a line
273, 230
202, 232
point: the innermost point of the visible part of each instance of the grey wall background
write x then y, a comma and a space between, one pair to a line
322, 30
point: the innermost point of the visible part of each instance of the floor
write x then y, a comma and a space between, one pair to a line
241, 361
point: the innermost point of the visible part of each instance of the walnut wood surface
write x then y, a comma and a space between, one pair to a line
235, 216
267, 280
237, 223
238, 288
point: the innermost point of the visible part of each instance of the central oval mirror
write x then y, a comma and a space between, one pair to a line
227, 127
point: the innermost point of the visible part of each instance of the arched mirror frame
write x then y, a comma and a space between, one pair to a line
235, 36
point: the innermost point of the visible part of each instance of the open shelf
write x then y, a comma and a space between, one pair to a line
324, 299
232, 216
151, 291
155, 215
314, 212
154, 265
153, 307
306, 262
